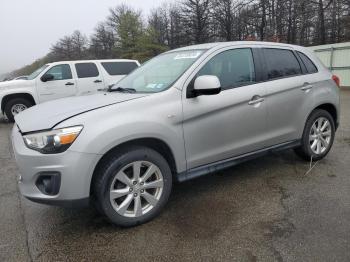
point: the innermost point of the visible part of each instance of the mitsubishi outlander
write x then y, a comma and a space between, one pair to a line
185, 113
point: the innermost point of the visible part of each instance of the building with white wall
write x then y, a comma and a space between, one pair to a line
337, 58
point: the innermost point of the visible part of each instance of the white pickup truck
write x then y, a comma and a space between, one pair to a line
62, 79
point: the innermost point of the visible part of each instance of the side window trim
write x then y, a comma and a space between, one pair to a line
258, 64
266, 64
301, 63
298, 53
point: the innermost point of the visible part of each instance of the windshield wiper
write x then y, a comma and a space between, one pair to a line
121, 89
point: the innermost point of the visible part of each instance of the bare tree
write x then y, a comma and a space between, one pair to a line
159, 21
71, 47
224, 15
321, 9
197, 19
126, 34
102, 42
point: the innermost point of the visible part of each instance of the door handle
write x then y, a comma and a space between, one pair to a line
69, 84
256, 100
97, 81
306, 87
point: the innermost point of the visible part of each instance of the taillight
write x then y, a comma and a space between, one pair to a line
336, 80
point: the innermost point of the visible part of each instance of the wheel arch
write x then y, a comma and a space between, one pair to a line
331, 109
8, 97
156, 144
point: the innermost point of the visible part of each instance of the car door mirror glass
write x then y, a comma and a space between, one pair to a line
47, 77
207, 85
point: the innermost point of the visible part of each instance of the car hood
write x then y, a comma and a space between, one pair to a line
14, 83
47, 115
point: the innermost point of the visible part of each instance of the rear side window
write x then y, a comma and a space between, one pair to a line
119, 68
310, 66
85, 70
234, 68
281, 63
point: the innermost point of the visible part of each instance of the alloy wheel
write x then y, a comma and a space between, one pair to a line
17, 108
320, 135
136, 189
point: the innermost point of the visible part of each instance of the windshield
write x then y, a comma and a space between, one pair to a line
37, 72
159, 73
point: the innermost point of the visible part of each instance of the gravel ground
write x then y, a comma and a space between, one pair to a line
267, 209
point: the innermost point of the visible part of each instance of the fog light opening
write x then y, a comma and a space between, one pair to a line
49, 183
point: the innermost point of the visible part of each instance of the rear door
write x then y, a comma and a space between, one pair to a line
289, 94
114, 71
62, 84
89, 78
232, 122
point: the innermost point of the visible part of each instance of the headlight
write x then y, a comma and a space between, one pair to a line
52, 142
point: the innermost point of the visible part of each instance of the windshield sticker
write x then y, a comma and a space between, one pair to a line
151, 86
155, 86
188, 55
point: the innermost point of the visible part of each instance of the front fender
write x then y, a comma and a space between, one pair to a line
148, 117
17, 91
100, 140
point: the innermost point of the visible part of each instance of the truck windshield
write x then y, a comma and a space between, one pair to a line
37, 72
159, 73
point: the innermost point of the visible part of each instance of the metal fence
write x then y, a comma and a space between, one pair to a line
337, 58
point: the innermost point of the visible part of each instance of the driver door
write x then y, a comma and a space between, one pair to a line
230, 123
61, 85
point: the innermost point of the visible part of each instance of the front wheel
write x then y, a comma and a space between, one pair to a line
15, 106
132, 187
318, 136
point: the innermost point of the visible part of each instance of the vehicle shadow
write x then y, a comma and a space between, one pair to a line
3, 120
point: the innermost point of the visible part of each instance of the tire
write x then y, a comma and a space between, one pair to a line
20, 102
110, 176
308, 150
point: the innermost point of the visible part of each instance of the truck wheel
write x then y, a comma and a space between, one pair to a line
318, 136
15, 106
132, 187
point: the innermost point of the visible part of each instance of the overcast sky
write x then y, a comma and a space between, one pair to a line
29, 27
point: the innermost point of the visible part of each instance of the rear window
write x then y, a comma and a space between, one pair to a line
281, 63
85, 70
310, 66
119, 68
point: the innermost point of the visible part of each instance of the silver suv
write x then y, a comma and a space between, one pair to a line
183, 114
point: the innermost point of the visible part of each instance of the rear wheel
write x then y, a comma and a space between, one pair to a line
318, 136
15, 106
133, 187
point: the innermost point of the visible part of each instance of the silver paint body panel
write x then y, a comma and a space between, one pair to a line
199, 131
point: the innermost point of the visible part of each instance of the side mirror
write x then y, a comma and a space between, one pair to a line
47, 77
207, 85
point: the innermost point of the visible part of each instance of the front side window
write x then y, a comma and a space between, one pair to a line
119, 68
310, 66
281, 63
234, 68
159, 73
85, 70
60, 72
